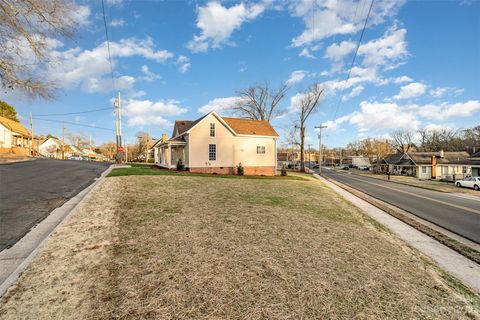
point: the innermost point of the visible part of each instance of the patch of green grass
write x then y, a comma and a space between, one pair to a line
148, 170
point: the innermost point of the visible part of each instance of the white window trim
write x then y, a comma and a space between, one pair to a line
210, 152
213, 128
261, 150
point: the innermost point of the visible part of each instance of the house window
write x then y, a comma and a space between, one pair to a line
424, 169
212, 129
260, 149
212, 152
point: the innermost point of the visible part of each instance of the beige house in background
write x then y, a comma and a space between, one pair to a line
215, 144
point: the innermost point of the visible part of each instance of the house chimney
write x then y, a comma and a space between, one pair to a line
434, 167
164, 137
442, 153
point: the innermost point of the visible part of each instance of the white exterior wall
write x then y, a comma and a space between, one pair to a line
5, 137
44, 148
231, 150
427, 174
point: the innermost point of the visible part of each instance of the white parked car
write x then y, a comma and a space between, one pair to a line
472, 182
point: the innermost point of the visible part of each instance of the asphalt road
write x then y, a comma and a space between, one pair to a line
29, 191
457, 213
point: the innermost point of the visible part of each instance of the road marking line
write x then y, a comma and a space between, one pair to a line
423, 197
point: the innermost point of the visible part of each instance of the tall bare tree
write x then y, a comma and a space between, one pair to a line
402, 140
109, 150
26, 28
260, 102
79, 140
309, 103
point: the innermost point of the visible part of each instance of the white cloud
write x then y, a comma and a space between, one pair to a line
217, 23
376, 115
149, 75
117, 23
148, 113
324, 19
445, 111
441, 91
184, 63
306, 53
114, 2
104, 84
296, 76
337, 52
354, 93
220, 104
402, 79
412, 90
89, 69
390, 48
80, 15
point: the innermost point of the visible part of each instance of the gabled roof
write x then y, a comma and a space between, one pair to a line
448, 157
475, 155
251, 127
14, 126
183, 126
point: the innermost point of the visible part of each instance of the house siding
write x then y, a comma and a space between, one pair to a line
231, 150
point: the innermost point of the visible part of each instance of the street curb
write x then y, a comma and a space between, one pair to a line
65, 212
450, 261
460, 247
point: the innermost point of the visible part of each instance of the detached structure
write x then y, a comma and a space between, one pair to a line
215, 144
427, 165
15, 138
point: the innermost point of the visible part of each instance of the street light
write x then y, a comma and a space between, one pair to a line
320, 150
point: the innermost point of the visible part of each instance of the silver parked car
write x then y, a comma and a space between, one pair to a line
472, 182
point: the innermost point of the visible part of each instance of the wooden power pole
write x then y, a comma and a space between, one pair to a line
63, 141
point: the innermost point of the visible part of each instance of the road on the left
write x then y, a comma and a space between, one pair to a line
29, 191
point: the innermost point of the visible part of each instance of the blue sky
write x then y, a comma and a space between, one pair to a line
418, 65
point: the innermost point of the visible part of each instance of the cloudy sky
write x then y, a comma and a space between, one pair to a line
418, 64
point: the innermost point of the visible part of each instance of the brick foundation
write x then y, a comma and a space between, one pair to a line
248, 171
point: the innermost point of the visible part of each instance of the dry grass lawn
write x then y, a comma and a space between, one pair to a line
180, 247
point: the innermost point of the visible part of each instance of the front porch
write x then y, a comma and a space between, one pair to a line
169, 152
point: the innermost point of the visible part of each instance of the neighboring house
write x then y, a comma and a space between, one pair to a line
427, 165
14, 137
52, 148
474, 162
358, 161
215, 144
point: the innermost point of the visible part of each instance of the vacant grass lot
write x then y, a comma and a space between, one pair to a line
190, 247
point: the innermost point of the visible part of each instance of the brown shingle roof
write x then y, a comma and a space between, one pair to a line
455, 157
251, 127
14, 126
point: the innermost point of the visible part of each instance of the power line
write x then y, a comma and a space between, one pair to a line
108, 44
71, 113
353, 60
74, 123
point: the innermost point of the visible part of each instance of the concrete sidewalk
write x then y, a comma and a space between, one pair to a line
15, 260
454, 263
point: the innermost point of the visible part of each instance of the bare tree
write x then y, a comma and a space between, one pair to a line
26, 28
79, 140
109, 149
309, 103
259, 102
402, 140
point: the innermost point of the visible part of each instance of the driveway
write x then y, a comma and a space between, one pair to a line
29, 191
457, 213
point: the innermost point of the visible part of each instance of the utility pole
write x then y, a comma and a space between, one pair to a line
63, 141
32, 146
320, 149
118, 129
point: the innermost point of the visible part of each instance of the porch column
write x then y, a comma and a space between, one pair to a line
169, 155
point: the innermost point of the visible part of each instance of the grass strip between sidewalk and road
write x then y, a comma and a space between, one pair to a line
191, 247
459, 247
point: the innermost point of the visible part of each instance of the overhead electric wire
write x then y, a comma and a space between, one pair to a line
353, 60
71, 113
108, 44
75, 124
